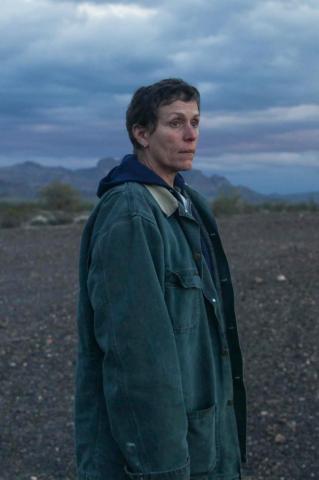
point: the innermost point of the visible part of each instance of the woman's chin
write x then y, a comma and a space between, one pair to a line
186, 165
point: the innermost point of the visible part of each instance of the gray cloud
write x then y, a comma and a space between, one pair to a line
68, 69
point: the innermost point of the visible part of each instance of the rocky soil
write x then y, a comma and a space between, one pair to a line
275, 264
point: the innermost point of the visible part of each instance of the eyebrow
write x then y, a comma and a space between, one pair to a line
183, 114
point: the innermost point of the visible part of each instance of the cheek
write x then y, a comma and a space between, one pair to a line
172, 142
166, 144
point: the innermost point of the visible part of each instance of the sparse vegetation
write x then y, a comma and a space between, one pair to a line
60, 196
230, 205
234, 204
58, 204
309, 206
15, 214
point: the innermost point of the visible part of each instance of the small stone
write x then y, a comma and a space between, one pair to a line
259, 280
37, 221
281, 278
280, 438
292, 425
263, 413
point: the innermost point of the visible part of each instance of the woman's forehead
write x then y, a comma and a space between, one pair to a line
188, 109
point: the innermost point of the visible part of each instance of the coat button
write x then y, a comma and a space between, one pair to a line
214, 300
224, 352
230, 403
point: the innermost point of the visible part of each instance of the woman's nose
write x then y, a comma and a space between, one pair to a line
190, 132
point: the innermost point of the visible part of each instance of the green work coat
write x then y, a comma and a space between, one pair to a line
159, 379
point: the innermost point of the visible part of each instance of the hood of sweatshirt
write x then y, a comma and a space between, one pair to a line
131, 170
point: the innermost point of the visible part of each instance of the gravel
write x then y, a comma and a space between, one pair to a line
274, 260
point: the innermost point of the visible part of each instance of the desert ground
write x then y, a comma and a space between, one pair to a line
274, 259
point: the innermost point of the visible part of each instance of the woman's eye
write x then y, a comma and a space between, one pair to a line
178, 123
175, 123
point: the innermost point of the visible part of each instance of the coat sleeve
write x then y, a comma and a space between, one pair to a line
141, 374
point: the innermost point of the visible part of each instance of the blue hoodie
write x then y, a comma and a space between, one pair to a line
131, 170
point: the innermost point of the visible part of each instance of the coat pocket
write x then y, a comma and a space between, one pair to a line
201, 438
184, 299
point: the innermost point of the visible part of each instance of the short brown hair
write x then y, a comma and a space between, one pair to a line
146, 101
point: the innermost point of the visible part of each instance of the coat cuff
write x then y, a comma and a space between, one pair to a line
182, 473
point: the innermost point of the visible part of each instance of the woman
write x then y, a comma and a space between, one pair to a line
159, 386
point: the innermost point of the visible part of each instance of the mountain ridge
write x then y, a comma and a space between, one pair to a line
23, 181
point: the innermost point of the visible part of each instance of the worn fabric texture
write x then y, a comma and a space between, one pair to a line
159, 378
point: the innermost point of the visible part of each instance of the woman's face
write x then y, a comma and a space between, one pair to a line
171, 147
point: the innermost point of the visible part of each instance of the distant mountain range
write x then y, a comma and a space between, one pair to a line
23, 181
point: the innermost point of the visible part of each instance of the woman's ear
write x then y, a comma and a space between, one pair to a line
140, 134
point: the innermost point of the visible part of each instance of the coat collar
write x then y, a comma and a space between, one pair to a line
165, 199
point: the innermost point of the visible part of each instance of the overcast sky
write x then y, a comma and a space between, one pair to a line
69, 68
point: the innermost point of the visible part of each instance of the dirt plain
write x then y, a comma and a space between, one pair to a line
275, 264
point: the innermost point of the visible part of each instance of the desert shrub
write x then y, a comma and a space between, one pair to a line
280, 206
60, 196
15, 214
231, 204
